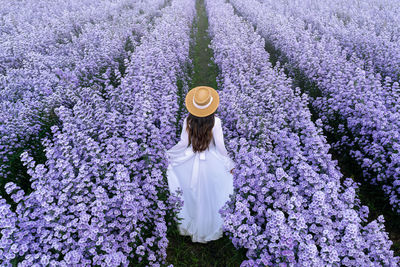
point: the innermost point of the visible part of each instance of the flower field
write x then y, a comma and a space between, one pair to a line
91, 97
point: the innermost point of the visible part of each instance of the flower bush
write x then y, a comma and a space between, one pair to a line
291, 205
352, 103
101, 198
52, 71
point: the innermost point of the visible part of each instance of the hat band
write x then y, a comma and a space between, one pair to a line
204, 106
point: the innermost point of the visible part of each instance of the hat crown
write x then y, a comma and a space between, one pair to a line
202, 100
202, 95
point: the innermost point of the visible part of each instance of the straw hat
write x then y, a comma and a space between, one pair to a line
201, 101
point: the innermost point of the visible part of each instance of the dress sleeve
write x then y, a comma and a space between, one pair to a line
220, 145
184, 135
176, 154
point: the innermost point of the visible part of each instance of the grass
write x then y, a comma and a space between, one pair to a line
204, 71
181, 250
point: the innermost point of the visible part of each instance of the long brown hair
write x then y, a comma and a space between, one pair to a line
200, 131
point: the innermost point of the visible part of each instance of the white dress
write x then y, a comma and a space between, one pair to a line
206, 182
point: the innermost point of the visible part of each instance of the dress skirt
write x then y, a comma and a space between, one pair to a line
206, 182
202, 197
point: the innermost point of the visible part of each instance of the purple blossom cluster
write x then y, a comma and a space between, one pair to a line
51, 72
289, 205
101, 198
354, 106
379, 50
35, 27
380, 17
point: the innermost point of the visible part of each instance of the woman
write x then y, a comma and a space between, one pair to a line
199, 164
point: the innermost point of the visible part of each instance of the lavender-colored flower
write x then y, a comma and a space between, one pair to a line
301, 205
101, 194
353, 104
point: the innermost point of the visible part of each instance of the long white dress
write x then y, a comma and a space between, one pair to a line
206, 182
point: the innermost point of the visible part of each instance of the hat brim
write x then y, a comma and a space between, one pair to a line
202, 112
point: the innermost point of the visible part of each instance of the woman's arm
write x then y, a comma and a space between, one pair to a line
220, 144
184, 135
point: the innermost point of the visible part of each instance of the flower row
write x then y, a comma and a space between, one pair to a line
51, 79
30, 27
289, 206
380, 51
101, 198
356, 110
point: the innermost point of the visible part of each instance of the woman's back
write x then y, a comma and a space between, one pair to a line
217, 142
